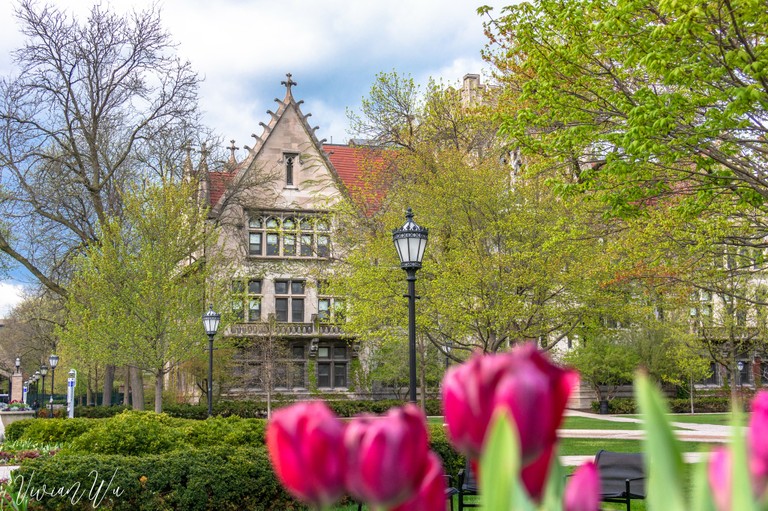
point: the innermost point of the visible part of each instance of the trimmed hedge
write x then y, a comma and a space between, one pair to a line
147, 433
258, 409
48, 431
705, 404
216, 478
16, 430
165, 463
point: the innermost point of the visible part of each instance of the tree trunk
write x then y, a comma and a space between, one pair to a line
691, 393
126, 386
423, 378
109, 381
159, 392
88, 390
137, 388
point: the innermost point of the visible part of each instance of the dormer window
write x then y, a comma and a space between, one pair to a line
290, 160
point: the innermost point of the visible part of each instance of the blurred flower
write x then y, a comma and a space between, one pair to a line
719, 472
304, 442
431, 494
387, 456
534, 390
536, 473
582, 492
757, 443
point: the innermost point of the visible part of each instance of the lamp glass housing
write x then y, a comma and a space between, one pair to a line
211, 321
410, 241
53, 360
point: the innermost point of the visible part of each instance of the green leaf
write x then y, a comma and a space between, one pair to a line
500, 485
663, 460
701, 496
741, 486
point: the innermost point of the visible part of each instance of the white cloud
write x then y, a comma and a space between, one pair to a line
243, 48
10, 296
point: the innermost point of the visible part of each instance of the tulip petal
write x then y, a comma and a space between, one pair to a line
583, 490
302, 442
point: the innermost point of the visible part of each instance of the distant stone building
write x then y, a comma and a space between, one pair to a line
272, 209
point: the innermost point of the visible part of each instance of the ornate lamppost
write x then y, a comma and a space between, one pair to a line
410, 241
211, 324
43, 372
53, 360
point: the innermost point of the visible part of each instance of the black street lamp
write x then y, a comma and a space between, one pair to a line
36, 379
43, 372
53, 360
740, 367
410, 241
211, 324
18, 364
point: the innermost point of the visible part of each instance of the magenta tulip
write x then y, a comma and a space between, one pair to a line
534, 390
583, 490
536, 473
757, 443
304, 442
431, 494
386, 456
720, 476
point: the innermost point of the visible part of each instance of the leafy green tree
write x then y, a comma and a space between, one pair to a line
639, 98
137, 295
507, 261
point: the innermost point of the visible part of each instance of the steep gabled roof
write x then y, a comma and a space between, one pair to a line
350, 166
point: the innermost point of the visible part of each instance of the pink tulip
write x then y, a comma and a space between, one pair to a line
534, 390
304, 443
536, 473
720, 476
386, 456
583, 490
757, 443
431, 494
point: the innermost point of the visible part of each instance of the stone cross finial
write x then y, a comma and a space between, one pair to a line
232, 149
288, 83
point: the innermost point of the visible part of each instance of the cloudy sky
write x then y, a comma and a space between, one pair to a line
333, 48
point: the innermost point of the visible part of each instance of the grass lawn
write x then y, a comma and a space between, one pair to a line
574, 422
723, 419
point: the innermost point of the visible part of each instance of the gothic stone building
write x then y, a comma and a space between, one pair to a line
272, 211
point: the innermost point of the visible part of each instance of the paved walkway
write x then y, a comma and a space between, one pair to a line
684, 431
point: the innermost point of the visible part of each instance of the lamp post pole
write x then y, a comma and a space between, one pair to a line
53, 360
410, 276
43, 372
36, 378
410, 241
211, 324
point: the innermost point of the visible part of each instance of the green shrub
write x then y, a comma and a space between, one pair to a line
225, 431
438, 442
131, 434
258, 409
216, 478
15, 430
99, 412
54, 430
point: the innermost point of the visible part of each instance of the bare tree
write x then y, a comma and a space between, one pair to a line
79, 123
97, 105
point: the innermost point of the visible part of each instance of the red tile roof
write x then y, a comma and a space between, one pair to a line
218, 183
362, 170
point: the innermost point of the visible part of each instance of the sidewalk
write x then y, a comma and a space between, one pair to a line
683, 431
